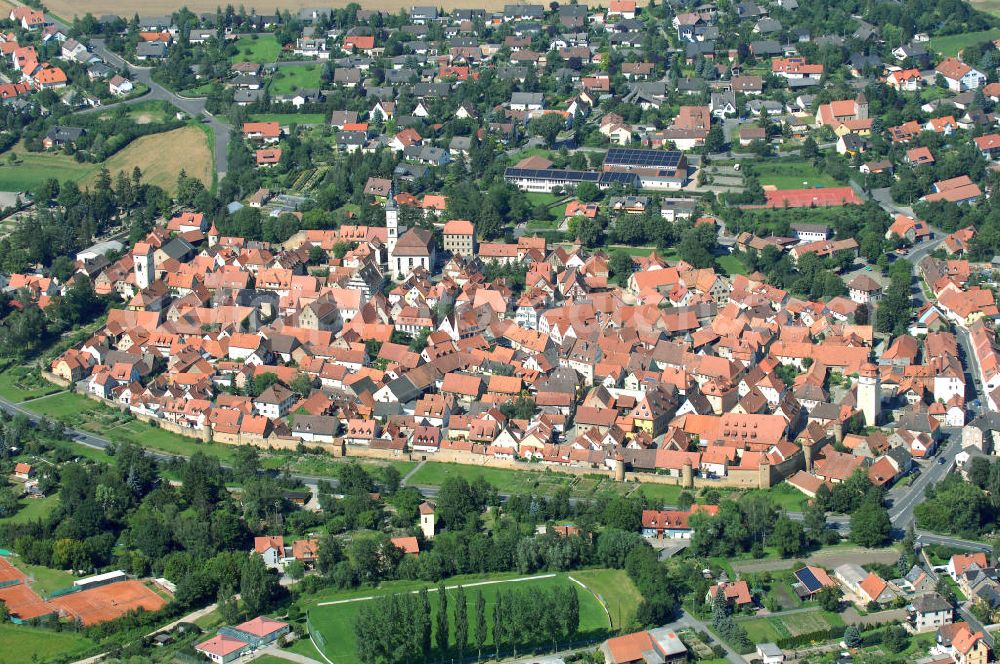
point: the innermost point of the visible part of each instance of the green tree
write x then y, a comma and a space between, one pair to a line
257, 585
870, 524
479, 633
621, 266
788, 537
829, 599
852, 637
441, 636
461, 622
424, 628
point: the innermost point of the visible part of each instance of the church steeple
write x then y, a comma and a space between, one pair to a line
392, 221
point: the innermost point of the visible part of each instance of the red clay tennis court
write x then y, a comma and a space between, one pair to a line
9, 573
822, 197
104, 603
24, 603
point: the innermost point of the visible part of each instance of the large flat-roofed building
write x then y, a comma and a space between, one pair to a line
657, 169
548, 179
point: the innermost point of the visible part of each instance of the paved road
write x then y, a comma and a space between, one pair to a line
195, 107
688, 621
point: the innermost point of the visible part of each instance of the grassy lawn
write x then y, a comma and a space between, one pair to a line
666, 494
295, 77
506, 481
160, 439
65, 406
304, 647
23, 645
541, 198
614, 586
952, 44
45, 579
775, 627
286, 119
34, 168
262, 50
792, 174
787, 497
32, 509
324, 465
335, 622
732, 264
18, 383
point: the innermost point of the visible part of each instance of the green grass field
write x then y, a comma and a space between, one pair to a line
732, 264
286, 119
24, 645
772, 628
34, 168
616, 589
795, 174
335, 622
295, 77
262, 50
160, 439
45, 579
952, 44
33, 509
506, 481
19, 383
64, 406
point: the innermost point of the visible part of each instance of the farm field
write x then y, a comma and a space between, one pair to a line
262, 50
24, 645
988, 6
296, 77
792, 175
952, 44
777, 626
162, 157
335, 622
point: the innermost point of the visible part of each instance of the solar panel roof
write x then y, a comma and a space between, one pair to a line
808, 579
643, 158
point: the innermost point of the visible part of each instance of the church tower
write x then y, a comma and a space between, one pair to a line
869, 394
392, 222
142, 259
861, 107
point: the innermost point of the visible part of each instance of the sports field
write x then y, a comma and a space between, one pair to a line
333, 615
23, 645
108, 602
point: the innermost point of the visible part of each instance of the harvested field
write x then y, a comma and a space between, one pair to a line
67, 9
108, 602
161, 157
